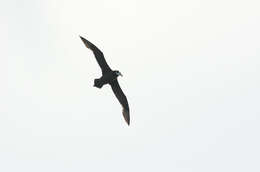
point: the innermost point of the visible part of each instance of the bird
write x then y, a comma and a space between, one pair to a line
109, 76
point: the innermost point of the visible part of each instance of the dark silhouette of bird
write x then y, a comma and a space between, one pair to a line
109, 76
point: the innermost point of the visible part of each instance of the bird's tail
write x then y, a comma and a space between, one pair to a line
98, 83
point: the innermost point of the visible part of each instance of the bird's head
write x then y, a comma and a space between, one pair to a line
118, 73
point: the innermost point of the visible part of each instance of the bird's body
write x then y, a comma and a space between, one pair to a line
105, 79
109, 76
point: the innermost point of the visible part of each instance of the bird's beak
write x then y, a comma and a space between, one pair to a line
120, 74
84, 41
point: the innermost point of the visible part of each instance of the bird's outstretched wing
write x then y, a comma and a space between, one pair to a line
98, 55
122, 99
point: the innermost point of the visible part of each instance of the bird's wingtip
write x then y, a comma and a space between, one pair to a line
126, 116
81, 37
86, 42
128, 122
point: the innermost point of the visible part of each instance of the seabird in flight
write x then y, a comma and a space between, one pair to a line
109, 76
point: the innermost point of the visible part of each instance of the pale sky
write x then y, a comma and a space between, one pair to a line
191, 74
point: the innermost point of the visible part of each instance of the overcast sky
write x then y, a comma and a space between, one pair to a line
191, 74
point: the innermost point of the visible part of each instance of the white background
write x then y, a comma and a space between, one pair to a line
191, 75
